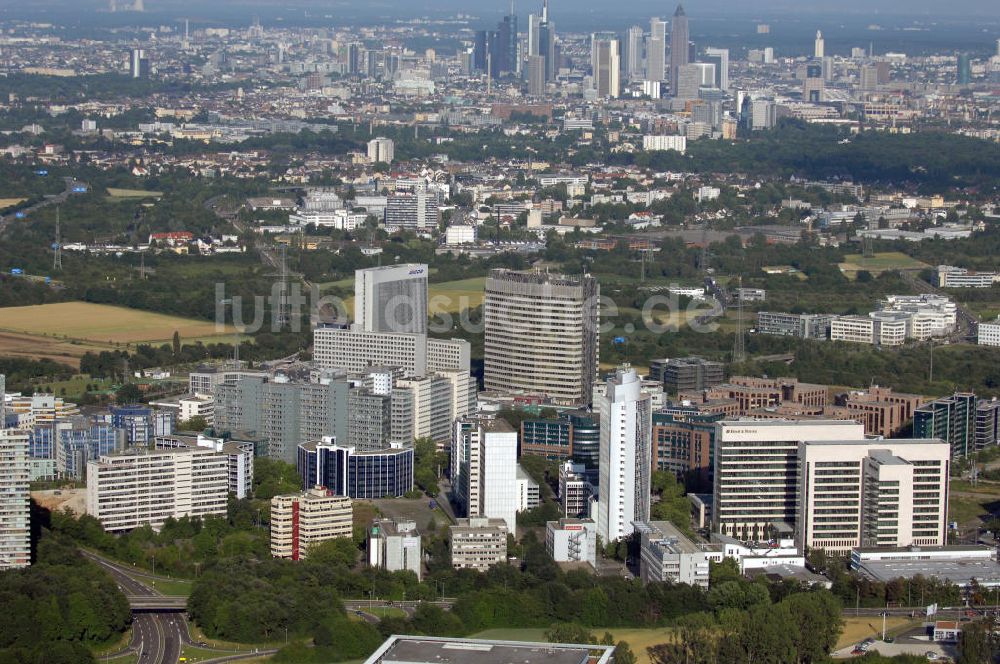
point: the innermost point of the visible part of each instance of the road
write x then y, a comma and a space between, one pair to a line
157, 637
56, 199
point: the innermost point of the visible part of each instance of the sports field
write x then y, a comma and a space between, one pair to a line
133, 193
878, 263
99, 323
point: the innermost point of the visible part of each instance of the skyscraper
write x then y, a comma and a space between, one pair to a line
625, 455
964, 69
819, 50
381, 150
484, 468
138, 63
391, 299
720, 58
607, 69
656, 50
541, 40
15, 513
536, 75
541, 334
679, 38
633, 53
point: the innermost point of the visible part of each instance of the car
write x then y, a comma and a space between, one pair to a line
888, 639
932, 656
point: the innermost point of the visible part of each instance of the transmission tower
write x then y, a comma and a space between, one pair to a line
282, 313
739, 345
57, 247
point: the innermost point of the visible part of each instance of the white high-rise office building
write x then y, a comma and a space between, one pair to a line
872, 493
391, 299
720, 57
484, 465
15, 511
381, 150
626, 429
819, 50
633, 53
656, 51
756, 466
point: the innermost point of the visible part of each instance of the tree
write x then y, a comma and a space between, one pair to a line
177, 343
128, 393
196, 423
977, 644
624, 654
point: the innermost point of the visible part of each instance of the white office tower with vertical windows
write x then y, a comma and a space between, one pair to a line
656, 51
872, 493
819, 50
756, 472
626, 429
633, 53
381, 150
391, 299
484, 468
15, 511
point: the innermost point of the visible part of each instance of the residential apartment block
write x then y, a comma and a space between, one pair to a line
146, 487
301, 520
15, 510
239, 457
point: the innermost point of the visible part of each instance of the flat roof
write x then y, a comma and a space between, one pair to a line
874, 442
959, 571
435, 650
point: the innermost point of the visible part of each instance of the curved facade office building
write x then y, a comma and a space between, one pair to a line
385, 473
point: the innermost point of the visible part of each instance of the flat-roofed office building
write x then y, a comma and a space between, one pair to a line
541, 334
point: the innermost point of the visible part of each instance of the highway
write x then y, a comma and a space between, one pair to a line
157, 637
48, 200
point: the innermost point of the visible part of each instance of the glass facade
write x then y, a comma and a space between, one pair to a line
367, 475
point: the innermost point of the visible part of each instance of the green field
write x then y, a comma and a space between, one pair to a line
133, 193
881, 262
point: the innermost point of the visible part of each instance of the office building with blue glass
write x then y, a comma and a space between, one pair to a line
385, 473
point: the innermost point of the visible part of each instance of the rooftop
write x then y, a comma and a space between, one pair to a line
959, 571
433, 650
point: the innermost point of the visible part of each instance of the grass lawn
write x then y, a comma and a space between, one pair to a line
133, 193
386, 612
857, 629
967, 504
129, 658
638, 639
100, 323
881, 262
196, 654
198, 636
77, 385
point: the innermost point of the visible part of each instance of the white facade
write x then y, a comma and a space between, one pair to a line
872, 493
460, 234
341, 220
381, 150
356, 350
199, 405
391, 299
667, 555
528, 494
484, 469
957, 277
756, 483
572, 541
989, 333
15, 511
654, 143
239, 457
624, 462
132, 489
575, 491
395, 546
